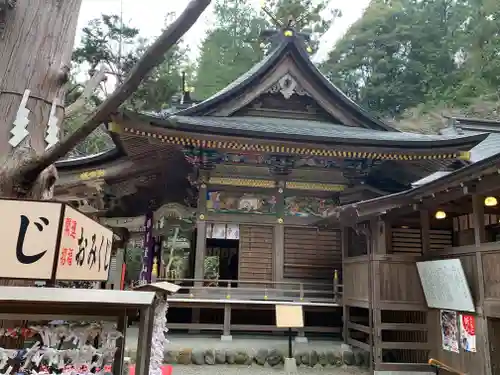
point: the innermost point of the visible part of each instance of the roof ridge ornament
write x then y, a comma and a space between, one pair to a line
287, 29
287, 85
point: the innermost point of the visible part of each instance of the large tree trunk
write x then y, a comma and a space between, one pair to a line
36, 47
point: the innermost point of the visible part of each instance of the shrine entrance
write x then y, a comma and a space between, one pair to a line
224, 255
221, 262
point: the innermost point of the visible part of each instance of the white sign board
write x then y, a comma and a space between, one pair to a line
289, 316
47, 240
445, 286
28, 234
85, 248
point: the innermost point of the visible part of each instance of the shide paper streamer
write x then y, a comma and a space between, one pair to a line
47, 356
158, 340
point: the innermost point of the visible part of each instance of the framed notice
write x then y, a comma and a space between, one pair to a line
232, 232
209, 230
289, 316
445, 285
219, 231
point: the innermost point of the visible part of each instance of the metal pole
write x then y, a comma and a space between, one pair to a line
290, 343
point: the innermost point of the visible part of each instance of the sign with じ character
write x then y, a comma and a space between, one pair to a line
50, 240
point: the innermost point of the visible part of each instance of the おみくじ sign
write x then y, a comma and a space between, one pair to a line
50, 240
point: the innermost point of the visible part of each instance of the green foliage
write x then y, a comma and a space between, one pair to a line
230, 48
411, 56
106, 41
312, 16
211, 266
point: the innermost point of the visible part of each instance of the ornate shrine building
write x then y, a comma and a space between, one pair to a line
245, 176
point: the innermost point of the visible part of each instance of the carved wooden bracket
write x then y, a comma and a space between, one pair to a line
5, 6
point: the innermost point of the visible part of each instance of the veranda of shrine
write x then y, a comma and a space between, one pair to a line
319, 194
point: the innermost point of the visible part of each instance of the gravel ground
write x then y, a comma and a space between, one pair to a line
258, 370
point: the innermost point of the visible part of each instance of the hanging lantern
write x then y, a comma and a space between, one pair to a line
440, 214
490, 201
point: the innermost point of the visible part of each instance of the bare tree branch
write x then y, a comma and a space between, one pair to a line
153, 56
88, 90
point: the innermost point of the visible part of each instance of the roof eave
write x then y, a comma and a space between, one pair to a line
333, 90
173, 122
92, 160
356, 212
206, 105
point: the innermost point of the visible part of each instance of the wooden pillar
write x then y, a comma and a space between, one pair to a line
377, 245
481, 321
279, 235
425, 230
201, 234
344, 241
201, 244
226, 334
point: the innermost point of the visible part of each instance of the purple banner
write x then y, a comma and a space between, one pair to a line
147, 256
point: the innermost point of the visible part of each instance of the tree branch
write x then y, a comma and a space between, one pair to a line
88, 90
153, 56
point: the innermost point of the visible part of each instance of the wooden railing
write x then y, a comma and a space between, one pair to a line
442, 366
258, 290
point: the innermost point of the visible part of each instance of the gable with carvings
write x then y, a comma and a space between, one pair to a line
286, 98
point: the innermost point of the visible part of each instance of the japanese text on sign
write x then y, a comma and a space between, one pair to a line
85, 251
29, 233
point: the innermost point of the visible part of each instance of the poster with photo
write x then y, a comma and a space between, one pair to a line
468, 333
233, 232
219, 231
449, 330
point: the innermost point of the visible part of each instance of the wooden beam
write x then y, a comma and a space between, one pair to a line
479, 238
425, 228
419, 198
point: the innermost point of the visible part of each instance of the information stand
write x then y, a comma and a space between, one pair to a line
290, 316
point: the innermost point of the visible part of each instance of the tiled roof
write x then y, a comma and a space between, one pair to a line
283, 128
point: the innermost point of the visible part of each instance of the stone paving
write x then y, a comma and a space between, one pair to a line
258, 370
239, 342
327, 356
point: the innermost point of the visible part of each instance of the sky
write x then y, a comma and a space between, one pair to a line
148, 16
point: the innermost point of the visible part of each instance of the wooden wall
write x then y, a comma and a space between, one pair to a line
256, 252
311, 254
494, 334
471, 363
409, 240
356, 289
487, 255
399, 282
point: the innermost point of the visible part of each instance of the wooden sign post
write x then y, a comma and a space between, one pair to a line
289, 316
